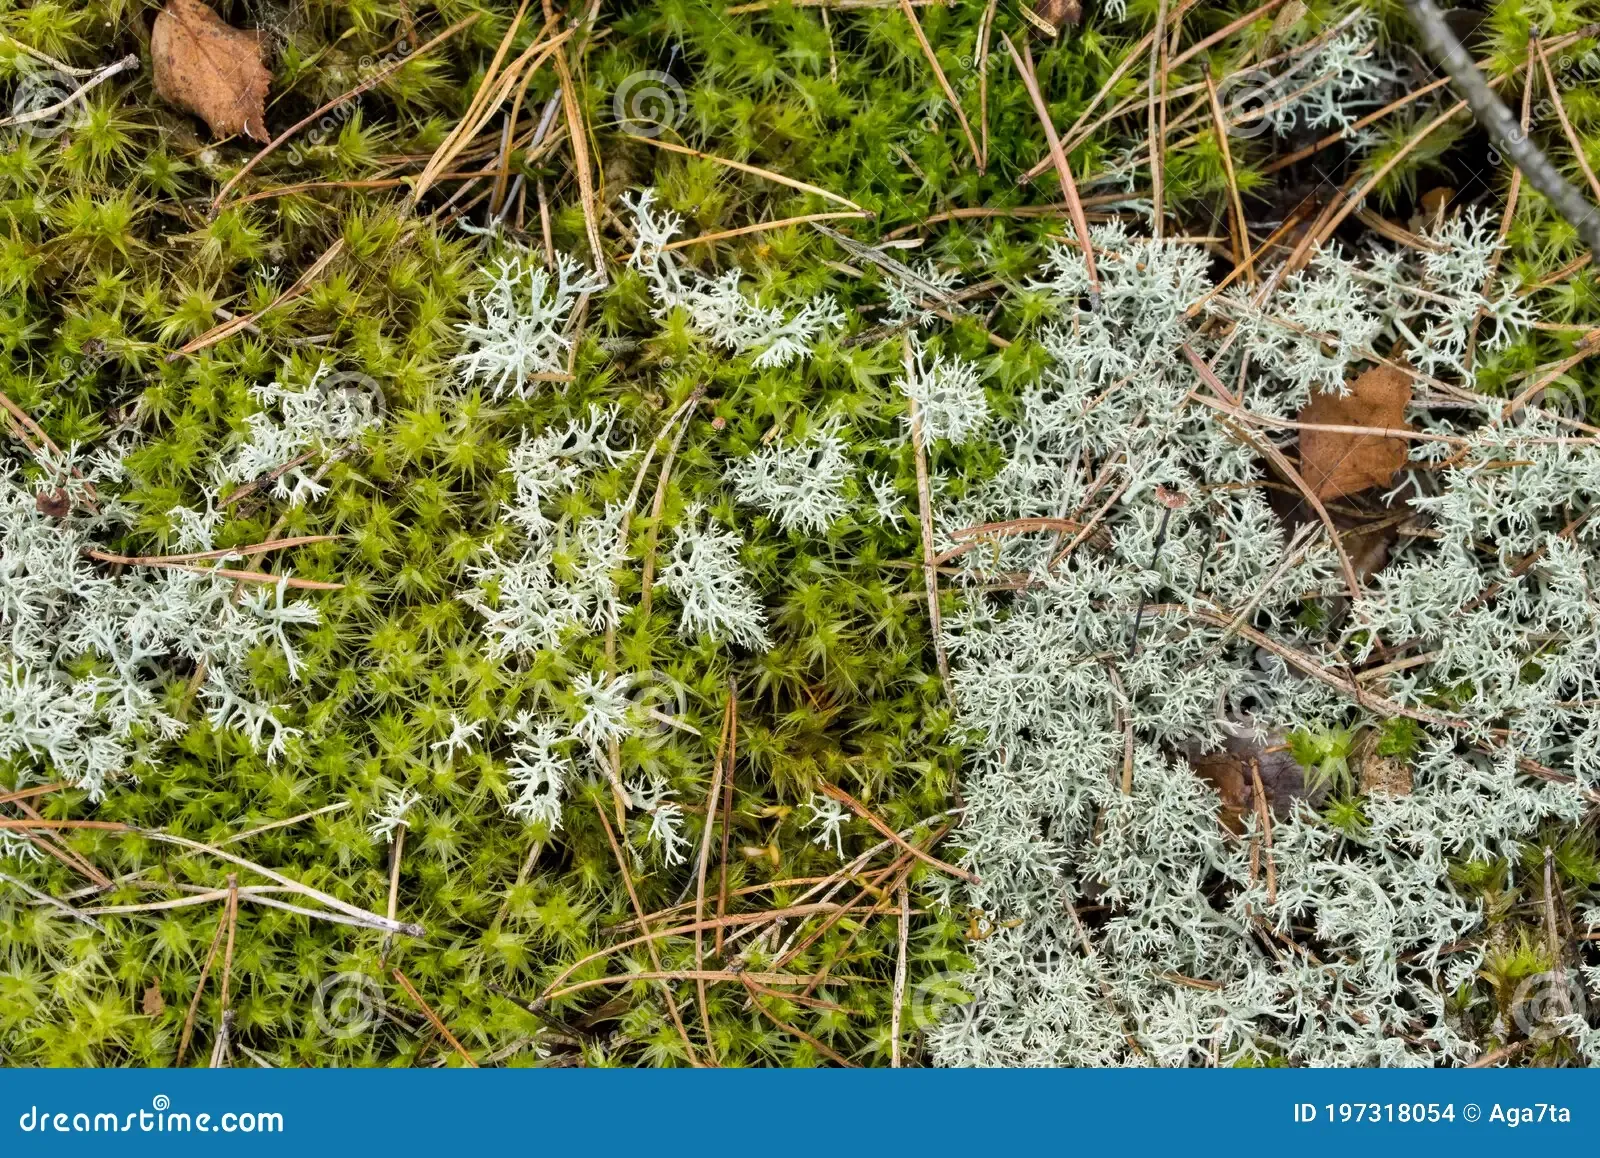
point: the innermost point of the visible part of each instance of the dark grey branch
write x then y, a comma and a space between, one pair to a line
1501, 126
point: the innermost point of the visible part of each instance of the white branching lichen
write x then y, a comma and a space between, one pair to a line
716, 597
718, 307
297, 424
949, 398
517, 339
1055, 686
86, 653
801, 484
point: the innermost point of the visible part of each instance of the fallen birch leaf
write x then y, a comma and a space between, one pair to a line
210, 68
1336, 464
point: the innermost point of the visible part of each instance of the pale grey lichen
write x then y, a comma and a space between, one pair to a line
1192, 960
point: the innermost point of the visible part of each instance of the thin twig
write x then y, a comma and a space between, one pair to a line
930, 576
372, 81
125, 64
1501, 126
899, 978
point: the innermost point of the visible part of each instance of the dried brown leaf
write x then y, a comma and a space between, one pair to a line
1051, 16
153, 1004
1334, 463
1228, 770
210, 68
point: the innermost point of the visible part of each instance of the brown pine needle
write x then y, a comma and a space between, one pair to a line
371, 82
824, 1050
1266, 448
700, 870
1158, 118
1561, 115
727, 813
760, 227
871, 818
578, 131
985, 33
655, 953
246, 835
751, 169
944, 81
199, 990
222, 553
1069, 188
217, 333
433, 1018
30, 793
1240, 231
219, 572
1264, 815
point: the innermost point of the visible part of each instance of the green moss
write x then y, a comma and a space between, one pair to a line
107, 244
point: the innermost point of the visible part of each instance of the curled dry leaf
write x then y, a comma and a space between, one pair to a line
1336, 464
210, 68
